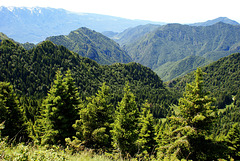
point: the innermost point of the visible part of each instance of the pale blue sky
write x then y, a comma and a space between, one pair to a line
171, 11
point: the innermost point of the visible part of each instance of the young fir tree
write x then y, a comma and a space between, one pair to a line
233, 141
10, 112
31, 112
187, 134
93, 127
146, 142
60, 109
124, 129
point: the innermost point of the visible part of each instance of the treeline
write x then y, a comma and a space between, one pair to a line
32, 72
91, 44
221, 80
122, 131
53, 97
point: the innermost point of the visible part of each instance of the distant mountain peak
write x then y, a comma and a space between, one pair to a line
34, 24
36, 10
216, 20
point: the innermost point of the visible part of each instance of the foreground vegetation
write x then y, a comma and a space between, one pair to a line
66, 126
31, 152
77, 108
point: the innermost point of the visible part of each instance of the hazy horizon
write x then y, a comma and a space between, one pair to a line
171, 11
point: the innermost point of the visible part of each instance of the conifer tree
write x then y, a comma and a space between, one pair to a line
124, 129
146, 142
31, 112
187, 134
233, 140
93, 127
10, 112
196, 107
60, 109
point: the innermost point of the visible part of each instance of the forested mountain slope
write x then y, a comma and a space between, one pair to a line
173, 42
131, 35
3, 36
221, 79
171, 70
94, 45
32, 72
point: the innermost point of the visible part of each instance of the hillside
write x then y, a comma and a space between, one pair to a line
32, 72
91, 44
221, 79
171, 70
174, 42
131, 35
35, 24
84, 122
3, 36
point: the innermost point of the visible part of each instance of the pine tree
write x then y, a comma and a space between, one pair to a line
195, 106
233, 140
93, 127
10, 112
124, 132
146, 142
187, 134
31, 112
60, 109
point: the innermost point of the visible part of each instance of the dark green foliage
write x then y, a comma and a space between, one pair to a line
60, 108
96, 115
10, 112
124, 128
28, 45
196, 107
188, 132
173, 42
171, 70
172, 140
31, 73
146, 143
31, 113
233, 139
91, 44
221, 79
226, 118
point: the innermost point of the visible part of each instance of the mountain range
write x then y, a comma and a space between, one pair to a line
171, 50
175, 42
133, 33
35, 24
212, 22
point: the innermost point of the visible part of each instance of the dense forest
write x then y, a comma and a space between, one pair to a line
55, 105
162, 47
221, 80
32, 72
91, 44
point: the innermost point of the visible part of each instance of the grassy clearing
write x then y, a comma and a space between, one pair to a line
31, 153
